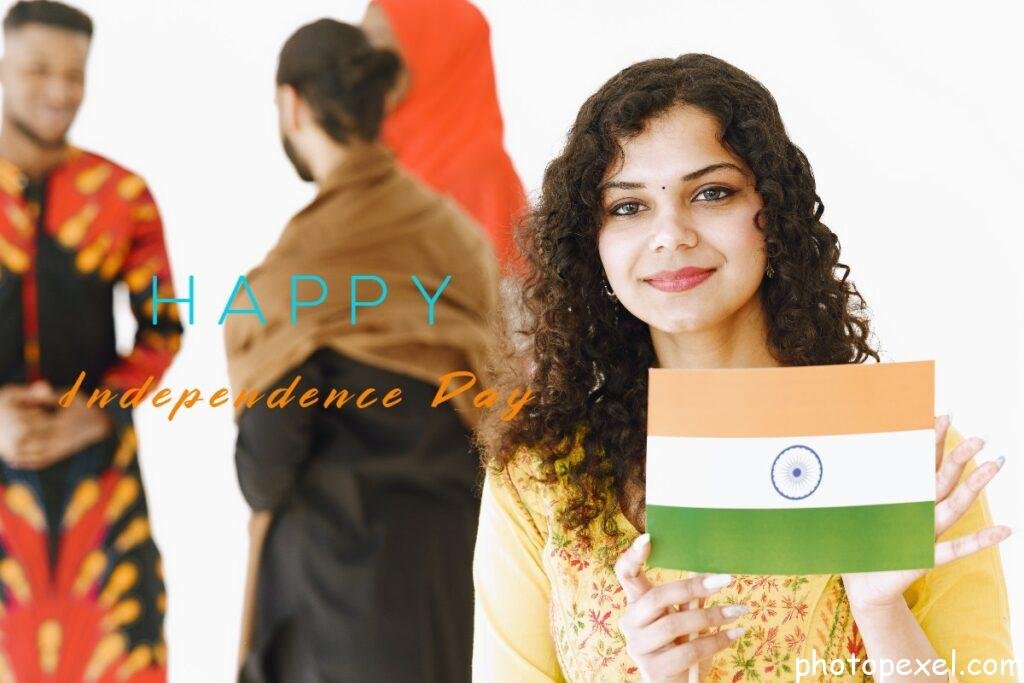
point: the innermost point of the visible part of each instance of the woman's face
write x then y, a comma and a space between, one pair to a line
678, 238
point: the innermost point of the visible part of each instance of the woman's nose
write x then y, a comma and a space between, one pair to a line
673, 229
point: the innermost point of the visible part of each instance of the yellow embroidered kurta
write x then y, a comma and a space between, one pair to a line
548, 610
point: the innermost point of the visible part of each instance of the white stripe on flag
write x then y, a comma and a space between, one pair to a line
716, 472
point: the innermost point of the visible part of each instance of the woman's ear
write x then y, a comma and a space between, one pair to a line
760, 221
377, 28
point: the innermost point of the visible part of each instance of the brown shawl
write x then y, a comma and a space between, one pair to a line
371, 217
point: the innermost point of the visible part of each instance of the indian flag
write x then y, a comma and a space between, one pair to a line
805, 470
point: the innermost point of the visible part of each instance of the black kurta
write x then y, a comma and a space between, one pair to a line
366, 572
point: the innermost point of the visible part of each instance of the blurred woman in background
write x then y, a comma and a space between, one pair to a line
444, 122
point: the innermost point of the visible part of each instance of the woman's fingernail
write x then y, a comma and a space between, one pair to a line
949, 416
642, 540
734, 633
733, 611
716, 581
999, 461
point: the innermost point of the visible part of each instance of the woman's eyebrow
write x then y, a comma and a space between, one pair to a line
708, 169
620, 184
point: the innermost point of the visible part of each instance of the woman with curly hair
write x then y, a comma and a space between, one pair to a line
680, 228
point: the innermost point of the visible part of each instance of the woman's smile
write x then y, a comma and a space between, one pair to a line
679, 280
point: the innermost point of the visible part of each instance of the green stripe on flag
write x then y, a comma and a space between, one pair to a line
828, 540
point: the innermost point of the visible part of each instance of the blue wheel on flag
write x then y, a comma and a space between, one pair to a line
796, 472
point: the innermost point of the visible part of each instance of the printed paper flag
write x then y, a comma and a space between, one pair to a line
805, 470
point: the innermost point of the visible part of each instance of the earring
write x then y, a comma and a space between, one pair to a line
608, 292
769, 271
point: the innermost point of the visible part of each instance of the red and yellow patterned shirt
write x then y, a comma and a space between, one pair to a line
81, 590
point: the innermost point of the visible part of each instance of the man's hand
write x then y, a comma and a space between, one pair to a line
35, 432
24, 419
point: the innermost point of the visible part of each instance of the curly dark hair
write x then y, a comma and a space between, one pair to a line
587, 356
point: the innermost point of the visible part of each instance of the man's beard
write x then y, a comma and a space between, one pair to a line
35, 138
293, 156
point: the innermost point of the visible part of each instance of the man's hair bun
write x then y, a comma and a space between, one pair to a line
341, 76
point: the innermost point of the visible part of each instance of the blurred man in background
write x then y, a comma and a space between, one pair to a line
81, 592
369, 515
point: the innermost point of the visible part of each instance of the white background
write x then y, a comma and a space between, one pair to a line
911, 120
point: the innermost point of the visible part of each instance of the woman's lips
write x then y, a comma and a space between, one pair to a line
679, 280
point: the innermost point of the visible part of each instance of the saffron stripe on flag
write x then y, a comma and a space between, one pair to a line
822, 399
794, 540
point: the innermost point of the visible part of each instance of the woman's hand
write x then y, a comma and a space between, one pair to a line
881, 590
656, 620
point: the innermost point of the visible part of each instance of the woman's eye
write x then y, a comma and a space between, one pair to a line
713, 194
626, 209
